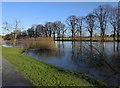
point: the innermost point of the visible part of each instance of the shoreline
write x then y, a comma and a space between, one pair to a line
53, 75
89, 40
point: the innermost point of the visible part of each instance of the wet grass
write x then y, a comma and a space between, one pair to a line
42, 74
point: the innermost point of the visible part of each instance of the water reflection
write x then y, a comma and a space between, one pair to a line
99, 60
7, 44
42, 53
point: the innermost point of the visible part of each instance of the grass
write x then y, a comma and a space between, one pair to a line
0, 45
85, 39
42, 74
0, 50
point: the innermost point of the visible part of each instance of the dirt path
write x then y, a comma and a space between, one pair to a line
11, 76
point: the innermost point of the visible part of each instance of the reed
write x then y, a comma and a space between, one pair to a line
40, 42
1, 40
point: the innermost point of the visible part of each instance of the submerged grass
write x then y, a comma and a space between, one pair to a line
42, 74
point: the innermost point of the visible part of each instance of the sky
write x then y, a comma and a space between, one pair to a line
30, 13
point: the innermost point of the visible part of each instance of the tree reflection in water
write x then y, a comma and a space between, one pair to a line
97, 59
93, 59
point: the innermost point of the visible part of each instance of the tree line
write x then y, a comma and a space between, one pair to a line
103, 18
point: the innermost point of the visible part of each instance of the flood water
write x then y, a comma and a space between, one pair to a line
99, 60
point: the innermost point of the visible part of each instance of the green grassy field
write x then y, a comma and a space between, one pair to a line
42, 74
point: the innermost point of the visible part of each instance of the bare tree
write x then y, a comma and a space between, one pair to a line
6, 27
113, 18
37, 30
102, 15
57, 25
118, 21
63, 32
16, 30
59, 28
24, 34
40, 30
90, 21
32, 29
72, 22
30, 32
48, 26
54, 28
79, 26
45, 31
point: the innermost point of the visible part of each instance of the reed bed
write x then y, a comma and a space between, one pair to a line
40, 42
1, 40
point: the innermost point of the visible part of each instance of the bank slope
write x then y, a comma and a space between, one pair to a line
42, 74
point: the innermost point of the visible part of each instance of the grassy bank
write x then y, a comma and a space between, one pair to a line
0, 45
97, 39
0, 50
42, 74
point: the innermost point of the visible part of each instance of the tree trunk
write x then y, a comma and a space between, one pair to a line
118, 35
114, 35
46, 34
14, 40
80, 34
62, 36
102, 35
91, 36
50, 33
54, 35
72, 35
118, 22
